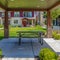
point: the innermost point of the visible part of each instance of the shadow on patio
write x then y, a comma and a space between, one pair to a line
29, 47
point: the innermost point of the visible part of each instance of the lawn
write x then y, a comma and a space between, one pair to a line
13, 30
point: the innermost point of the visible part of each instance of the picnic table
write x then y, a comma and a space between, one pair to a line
34, 34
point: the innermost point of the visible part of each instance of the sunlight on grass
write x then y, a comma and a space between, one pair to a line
13, 30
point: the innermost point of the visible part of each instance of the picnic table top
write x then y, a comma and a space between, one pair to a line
34, 31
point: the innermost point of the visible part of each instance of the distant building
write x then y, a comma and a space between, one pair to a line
23, 18
57, 21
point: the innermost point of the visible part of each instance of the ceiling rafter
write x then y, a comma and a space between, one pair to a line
54, 5
26, 9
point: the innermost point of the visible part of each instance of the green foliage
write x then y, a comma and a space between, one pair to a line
56, 35
13, 30
45, 14
1, 26
1, 37
0, 52
45, 22
55, 13
59, 58
47, 54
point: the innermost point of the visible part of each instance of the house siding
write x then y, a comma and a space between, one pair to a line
20, 17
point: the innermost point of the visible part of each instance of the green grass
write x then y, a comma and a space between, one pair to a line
13, 31
1, 26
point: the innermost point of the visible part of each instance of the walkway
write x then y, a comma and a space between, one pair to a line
28, 49
54, 44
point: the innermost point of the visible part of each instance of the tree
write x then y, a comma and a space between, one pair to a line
55, 13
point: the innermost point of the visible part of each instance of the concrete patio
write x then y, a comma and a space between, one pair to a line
29, 47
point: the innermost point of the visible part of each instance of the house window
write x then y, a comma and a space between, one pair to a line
15, 21
27, 14
44, 15
9, 14
16, 14
3, 14
9, 22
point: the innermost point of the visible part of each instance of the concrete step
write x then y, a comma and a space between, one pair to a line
18, 58
53, 44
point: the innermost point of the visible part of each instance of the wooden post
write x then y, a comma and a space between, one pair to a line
49, 26
32, 22
36, 19
6, 27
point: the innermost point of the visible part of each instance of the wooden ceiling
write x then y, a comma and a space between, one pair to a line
29, 4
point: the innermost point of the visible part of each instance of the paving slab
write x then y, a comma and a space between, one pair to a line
11, 48
18, 59
29, 48
53, 44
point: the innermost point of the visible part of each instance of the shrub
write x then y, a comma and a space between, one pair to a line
1, 26
58, 57
56, 35
1, 37
0, 53
47, 54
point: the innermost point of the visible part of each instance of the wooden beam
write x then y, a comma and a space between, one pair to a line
49, 26
6, 25
26, 9
54, 5
2, 6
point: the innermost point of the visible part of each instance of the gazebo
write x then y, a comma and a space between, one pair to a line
28, 5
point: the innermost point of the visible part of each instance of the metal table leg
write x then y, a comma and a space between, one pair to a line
19, 38
40, 39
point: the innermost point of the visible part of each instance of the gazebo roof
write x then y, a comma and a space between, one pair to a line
28, 4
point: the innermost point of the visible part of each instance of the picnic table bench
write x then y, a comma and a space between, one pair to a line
34, 34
